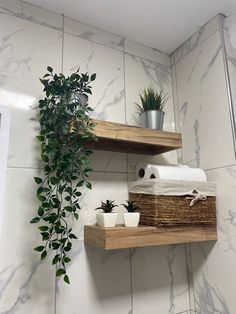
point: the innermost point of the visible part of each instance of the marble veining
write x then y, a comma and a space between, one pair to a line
194, 65
101, 282
194, 41
170, 260
210, 299
199, 75
31, 13
6, 276
197, 143
23, 294
157, 73
210, 64
93, 34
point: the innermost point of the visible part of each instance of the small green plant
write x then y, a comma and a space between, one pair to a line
130, 206
65, 128
107, 207
151, 100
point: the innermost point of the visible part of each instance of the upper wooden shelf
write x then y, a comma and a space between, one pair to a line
121, 237
131, 139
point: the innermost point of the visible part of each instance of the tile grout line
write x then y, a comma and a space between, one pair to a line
89, 40
146, 59
93, 41
127, 178
228, 83
193, 286
220, 167
192, 49
63, 39
188, 277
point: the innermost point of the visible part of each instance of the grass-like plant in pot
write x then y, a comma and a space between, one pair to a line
131, 218
107, 218
151, 108
65, 128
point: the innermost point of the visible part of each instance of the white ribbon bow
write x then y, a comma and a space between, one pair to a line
195, 197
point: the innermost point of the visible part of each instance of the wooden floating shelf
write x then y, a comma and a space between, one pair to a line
121, 237
131, 139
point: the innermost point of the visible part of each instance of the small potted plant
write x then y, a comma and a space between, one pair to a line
131, 218
107, 218
151, 108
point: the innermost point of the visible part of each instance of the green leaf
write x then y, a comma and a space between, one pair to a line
68, 190
80, 183
55, 245
40, 138
40, 211
40, 190
54, 180
39, 248
67, 248
38, 180
41, 198
43, 228
72, 236
35, 220
93, 77
47, 168
55, 259
66, 279
67, 260
89, 185
76, 216
50, 69
58, 230
45, 158
68, 208
44, 255
60, 272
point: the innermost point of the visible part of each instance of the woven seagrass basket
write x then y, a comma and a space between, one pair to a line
162, 210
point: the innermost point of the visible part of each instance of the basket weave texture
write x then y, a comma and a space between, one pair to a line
160, 210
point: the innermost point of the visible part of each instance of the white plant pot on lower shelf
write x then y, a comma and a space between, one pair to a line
131, 219
106, 220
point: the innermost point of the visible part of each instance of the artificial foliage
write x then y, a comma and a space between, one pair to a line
151, 100
107, 206
65, 128
130, 206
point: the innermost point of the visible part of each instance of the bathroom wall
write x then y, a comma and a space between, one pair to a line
205, 120
139, 281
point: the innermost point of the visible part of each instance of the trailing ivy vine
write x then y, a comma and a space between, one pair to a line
65, 128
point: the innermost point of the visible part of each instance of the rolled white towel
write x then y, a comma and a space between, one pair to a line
142, 167
175, 173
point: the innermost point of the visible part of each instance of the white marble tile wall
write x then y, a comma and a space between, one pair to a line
205, 122
115, 282
214, 263
229, 32
203, 105
143, 69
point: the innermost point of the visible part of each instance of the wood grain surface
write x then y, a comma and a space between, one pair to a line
126, 138
126, 237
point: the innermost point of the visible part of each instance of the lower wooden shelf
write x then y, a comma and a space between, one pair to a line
121, 237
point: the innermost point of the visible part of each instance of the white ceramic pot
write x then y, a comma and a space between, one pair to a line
106, 219
131, 219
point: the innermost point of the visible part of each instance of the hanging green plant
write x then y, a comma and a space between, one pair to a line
65, 128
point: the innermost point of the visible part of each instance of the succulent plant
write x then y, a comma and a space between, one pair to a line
107, 206
130, 206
